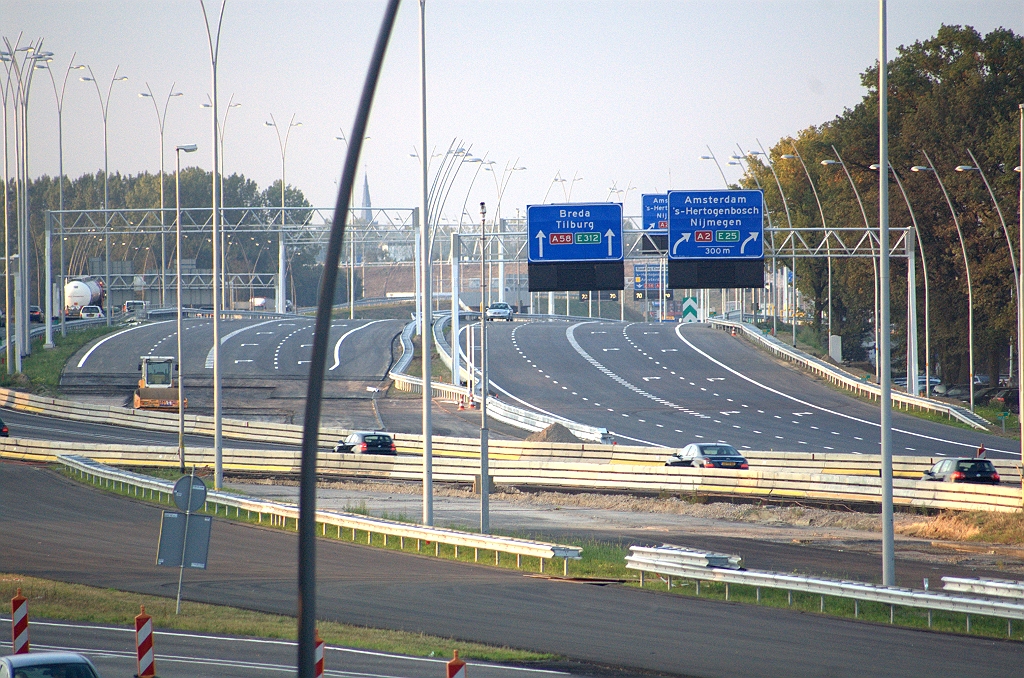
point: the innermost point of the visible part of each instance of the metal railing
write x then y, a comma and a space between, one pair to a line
674, 561
279, 514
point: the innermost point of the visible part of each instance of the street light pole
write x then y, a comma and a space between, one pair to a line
967, 268
977, 168
220, 171
281, 253
188, 148
104, 109
160, 120
7, 60
485, 488
885, 396
425, 303
789, 220
218, 431
60, 154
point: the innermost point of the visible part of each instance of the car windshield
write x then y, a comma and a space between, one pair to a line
76, 670
719, 450
975, 466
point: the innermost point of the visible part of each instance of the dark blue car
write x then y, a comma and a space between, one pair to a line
708, 455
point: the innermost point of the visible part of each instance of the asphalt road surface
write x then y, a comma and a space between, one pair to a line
56, 529
670, 385
180, 654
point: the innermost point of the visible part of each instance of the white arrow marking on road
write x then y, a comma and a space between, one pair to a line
715, 378
599, 333
668, 350
248, 344
242, 361
264, 333
650, 378
753, 237
609, 349
305, 345
540, 244
685, 237
304, 362
610, 236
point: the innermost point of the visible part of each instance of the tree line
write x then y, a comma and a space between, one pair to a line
952, 95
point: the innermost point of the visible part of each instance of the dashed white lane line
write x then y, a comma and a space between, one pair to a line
818, 407
224, 339
99, 343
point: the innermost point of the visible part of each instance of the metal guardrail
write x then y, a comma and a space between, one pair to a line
1004, 588
280, 513
847, 381
670, 562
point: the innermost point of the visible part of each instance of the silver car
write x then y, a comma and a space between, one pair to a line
499, 311
47, 665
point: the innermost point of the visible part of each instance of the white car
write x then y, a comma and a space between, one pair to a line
499, 311
92, 312
46, 665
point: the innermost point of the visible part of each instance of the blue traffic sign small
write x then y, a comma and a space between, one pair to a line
654, 208
576, 232
716, 224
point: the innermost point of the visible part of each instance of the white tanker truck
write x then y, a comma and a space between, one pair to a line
82, 292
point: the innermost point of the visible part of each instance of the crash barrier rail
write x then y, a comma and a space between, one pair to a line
287, 515
674, 561
845, 380
1003, 588
512, 464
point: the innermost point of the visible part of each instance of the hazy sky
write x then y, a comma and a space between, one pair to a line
625, 93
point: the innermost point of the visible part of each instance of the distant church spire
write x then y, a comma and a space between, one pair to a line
367, 212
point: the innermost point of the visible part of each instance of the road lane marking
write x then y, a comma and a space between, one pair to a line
224, 339
116, 334
337, 346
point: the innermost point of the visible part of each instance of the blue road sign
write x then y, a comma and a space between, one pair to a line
649, 276
578, 232
654, 207
716, 224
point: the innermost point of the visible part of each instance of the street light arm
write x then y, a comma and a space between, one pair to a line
778, 184
1006, 232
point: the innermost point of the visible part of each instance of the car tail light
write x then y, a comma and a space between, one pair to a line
709, 464
744, 465
995, 476
393, 448
956, 475
362, 447
4, 429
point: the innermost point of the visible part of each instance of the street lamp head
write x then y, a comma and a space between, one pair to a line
965, 168
145, 94
874, 166
706, 157
86, 78
188, 148
788, 156
830, 162
295, 124
78, 67
270, 124
1017, 169
181, 94
123, 77
920, 168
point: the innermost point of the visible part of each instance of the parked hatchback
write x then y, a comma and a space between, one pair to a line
708, 455
367, 442
3, 430
965, 470
47, 665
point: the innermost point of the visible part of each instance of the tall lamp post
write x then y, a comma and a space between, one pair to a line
485, 488
213, 40
499, 187
281, 257
161, 118
789, 220
220, 172
351, 244
930, 167
7, 58
59, 96
104, 109
188, 148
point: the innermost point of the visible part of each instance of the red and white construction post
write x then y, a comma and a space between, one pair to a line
19, 624
456, 667
144, 644
318, 654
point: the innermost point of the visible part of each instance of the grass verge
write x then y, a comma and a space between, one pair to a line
74, 602
41, 371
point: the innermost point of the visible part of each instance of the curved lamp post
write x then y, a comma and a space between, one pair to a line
188, 148
711, 156
789, 220
930, 167
220, 172
977, 168
160, 120
911, 315
281, 263
351, 244
499, 187
104, 108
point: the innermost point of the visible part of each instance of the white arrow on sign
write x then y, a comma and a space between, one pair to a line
752, 238
540, 243
685, 237
609, 235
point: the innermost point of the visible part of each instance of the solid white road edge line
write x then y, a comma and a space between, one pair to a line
337, 346
818, 407
209, 355
116, 334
